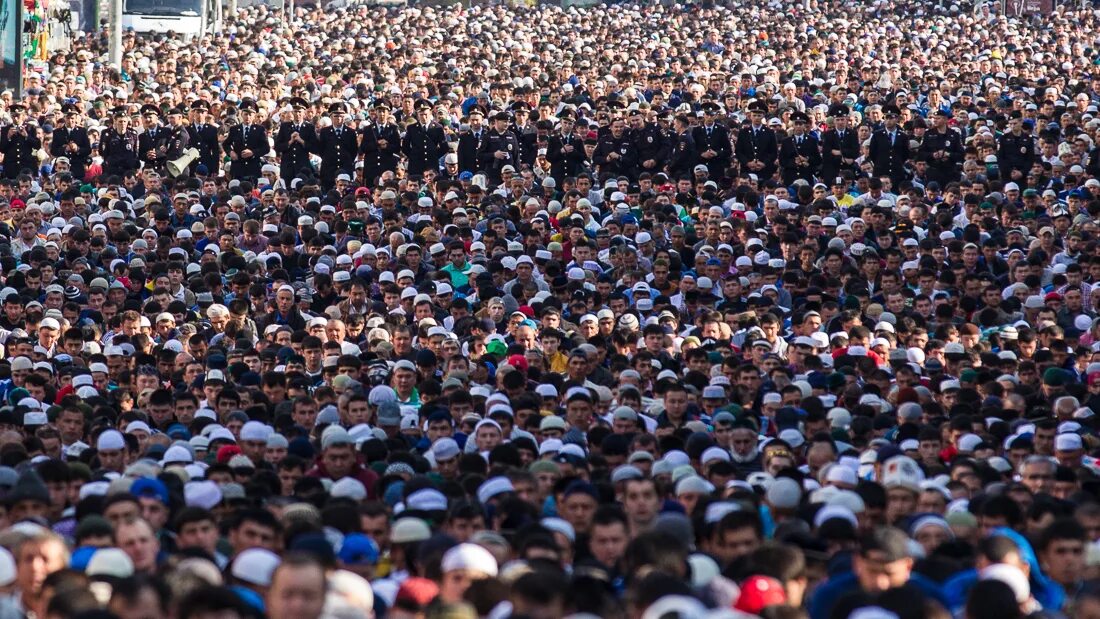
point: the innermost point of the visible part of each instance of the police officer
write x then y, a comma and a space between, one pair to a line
526, 134
71, 141
651, 142
565, 149
890, 147
712, 142
119, 146
153, 142
615, 153
18, 141
800, 154
246, 144
942, 148
757, 147
839, 145
177, 139
424, 142
203, 137
499, 147
1017, 151
470, 141
294, 142
337, 145
380, 145
684, 155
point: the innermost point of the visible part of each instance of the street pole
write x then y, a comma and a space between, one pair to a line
116, 33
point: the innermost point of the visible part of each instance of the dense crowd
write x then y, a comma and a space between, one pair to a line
652, 312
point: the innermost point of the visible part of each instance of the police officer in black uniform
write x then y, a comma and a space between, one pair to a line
499, 147
839, 145
424, 142
119, 145
71, 141
526, 134
890, 147
178, 139
651, 142
246, 144
470, 141
942, 148
1017, 151
153, 142
615, 153
712, 142
380, 145
684, 155
18, 141
757, 147
338, 146
565, 149
294, 142
203, 137
800, 154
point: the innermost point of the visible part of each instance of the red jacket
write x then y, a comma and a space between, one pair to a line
361, 473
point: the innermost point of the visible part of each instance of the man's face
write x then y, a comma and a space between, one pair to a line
252, 535
608, 543
339, 460
875, 574
1063, 560
297, 592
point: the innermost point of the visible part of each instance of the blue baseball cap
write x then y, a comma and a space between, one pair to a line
358, 549
150, 488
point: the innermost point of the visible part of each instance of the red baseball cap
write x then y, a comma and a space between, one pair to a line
416, 593
759, 592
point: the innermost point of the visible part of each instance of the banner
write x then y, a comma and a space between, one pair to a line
11, 46
1028, 8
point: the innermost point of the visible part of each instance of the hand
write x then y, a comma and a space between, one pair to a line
152, 154
649, 163
567, 149
500, 154
246, 153
613, 156
383, 143
233, 156
835, 152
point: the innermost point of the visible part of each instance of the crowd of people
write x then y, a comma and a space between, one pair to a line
623, 311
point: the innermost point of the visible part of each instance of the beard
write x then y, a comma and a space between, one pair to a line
749, 457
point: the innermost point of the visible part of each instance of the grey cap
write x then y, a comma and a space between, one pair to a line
625, 472
784, 493
277, 441
328, 415
677, 525
389, 414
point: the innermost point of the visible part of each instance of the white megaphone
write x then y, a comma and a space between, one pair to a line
178, 167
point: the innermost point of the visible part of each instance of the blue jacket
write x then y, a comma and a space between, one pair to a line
827, 595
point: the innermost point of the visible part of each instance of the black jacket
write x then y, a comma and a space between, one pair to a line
889, 157
493, 142
423, 146
759, 145
789, 154
832, 165
78, 157
237, 142
294, 157
716, 138
338, 149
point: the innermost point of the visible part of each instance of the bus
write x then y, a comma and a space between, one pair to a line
190, 18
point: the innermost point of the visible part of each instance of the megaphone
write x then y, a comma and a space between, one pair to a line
178, 167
